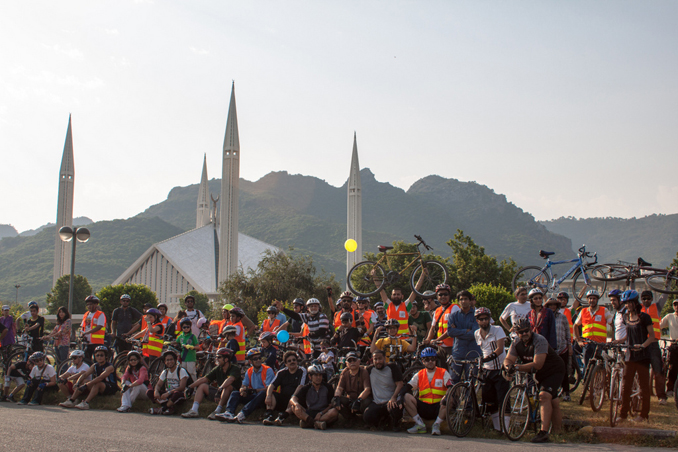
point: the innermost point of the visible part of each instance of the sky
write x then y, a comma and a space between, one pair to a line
567, 108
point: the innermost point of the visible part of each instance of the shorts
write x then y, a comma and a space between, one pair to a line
551, 384
110, 389
281, 401
428, 411
214, 391
19, 381
313, 413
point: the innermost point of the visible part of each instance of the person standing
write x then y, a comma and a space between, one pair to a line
462, 327
8, 322
439, 323
653, 309
516, 310
122, 320
419, 322
593, 321
194, 315
542, 320
61, 334
34, 326
670, 321
618, 317
563, 342
93, 326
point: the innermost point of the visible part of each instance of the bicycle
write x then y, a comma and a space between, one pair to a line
520, 407
596, 376
462, 403
659, 279
369, 277
23, 354
543, 278
616, 387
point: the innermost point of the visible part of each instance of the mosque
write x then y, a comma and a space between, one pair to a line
202, 258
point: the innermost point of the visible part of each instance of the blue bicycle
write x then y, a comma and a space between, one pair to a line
543, 278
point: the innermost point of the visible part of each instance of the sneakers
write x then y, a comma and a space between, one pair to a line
213, 415
168, 411
541, 437
33, 403
269, 419
240, 418
280, 420
303, 424
190, 414
226, 416
639, 419
10, 398
669, 394
156, 410
435, 430
320, 425
124, 409
418, 428
82, 405
566, 397
662, 401
70, 404
22, 402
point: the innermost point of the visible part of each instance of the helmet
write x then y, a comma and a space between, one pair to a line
272, 309
92, 299
238, 312
429, 294
614, 293
346, 316
201, 322
446, 287
552, 300
185, 321
338, 302
391, 323
534, 292
252, 352
148, 306
593, 293
298, 301
36, 356
347, 294
315, 369
229, 329
227, 307
565, 295
134, 353
378, 305
154, 311
360, 299
77, 353
125, 297
225, 352
482, 311
313, 301
428, 352
101, 348
168, 352
522, 324
33, 304
629, 295
646, 293
351, 355
163, 305
267, 335
189, 297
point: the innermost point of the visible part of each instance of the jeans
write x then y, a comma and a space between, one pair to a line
129, 396
456, 371
673, 367
62, 352
251, 402
34, 394
658, 368
375, 412
642, 368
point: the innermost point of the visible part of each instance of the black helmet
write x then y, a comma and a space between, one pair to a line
523, 323
299, 302
169, 352
346, 317
101, 348
391, 323
92, 299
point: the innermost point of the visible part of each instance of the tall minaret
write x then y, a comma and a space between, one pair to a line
62, 257
203, 211
354, 217
230, 177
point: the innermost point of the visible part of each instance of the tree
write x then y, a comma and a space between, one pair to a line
202, 304
109, 297
495, 298
278, 276
668, 305
58, 296
471, 265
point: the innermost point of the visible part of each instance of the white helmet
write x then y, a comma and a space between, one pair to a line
313, 301
593, 293
534, 292
76, 353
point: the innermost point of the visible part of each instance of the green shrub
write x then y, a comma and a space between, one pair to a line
493, 297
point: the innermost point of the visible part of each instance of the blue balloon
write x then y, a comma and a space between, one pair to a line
283, 336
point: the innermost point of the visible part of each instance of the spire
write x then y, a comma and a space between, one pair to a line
230, 179
354, 216
62, 258
203, 209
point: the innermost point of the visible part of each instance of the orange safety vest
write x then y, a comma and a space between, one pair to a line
652, 312
154, 345
240, 355
307, 349
400, 314
269, 325
98, 336
367, 317
166, 322
337, 319
568, 314
440, 318
264, 372
433, 391
594, 327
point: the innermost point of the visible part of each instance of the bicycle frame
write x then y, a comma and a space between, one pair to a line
579, 264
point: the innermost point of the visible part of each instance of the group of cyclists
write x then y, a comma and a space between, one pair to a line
350, 363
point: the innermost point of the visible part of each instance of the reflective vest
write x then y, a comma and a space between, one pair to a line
400, 314
568, 314
154, 345
166, 321
307, 349
240, 355
269, 325
367, 319
337, 319
98, 336
654, 314
264, 371
433, 391
440, 318
594, 327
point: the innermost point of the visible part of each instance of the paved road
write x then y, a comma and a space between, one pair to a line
42, 428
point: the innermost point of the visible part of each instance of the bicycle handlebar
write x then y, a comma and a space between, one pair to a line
421, 241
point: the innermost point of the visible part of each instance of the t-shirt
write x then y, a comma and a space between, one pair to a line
414, 382
537, 346
187, 356
76, 370
217, 375
422, 319
46, 373
312, 399
37, 333
125, 318
327, 360
670, 321
636, 334
8, 322
489, 345
383, 382
20, 370
354, 385
389, 344
619, 325
289, 382
516, 311
194, 316
173, 379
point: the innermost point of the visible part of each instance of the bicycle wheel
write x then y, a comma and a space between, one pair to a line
366, 278
579, 286
51, 358
120, 365
597, 388
636, 396
615, 398
586, 382
516, 411
577, 375
531, 277
436, 273
675, 393
609, 272
155, 369
461, 409
663, 283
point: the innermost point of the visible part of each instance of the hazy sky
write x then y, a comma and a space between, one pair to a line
567, 108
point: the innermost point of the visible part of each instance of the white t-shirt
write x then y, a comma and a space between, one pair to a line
670, 321
619, 325
516, 311
489, 345
47, 372
76, 370
173, 379
101, 321
194, 316
414, 382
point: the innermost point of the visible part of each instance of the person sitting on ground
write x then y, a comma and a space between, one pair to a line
386, 381
311, 402
252, 392
103, 381
134, 381
392, 344
282, 388
42, 379
432, 383
17, 372
354, 391
217, 385
169, 391
68, 379
187, 342
269, 352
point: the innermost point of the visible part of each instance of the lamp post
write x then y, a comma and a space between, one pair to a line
75, 235
16, 286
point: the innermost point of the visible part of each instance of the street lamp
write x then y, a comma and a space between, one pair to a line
16, 286
75, 235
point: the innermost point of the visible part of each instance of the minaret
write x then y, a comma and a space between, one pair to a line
230, 177
62, 257
203, 211
354, 217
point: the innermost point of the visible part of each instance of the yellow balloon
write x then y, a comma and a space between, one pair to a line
351, 245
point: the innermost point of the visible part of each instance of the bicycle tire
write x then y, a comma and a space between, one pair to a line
516, 407
437, 274
155, 369
579, 287
409, 373
636, 396
597, 388
63, 367
610, 272
587, 380
577, 375
120, 366
531, 277
615, 398
461, 409
361, 283
675, 393
663, 283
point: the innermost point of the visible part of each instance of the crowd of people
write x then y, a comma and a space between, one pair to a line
441, 329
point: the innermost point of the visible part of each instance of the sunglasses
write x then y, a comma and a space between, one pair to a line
443, 294
483, 319
428, 359
352, 360
646, 299
290, 361
521, 332
186, 326
255, 358
99, 355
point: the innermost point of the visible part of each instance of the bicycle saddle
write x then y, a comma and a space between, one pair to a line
384, 248
546, 254
643, 263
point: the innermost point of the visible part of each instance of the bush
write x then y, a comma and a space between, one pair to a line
494, 298
202, 304
109, 297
